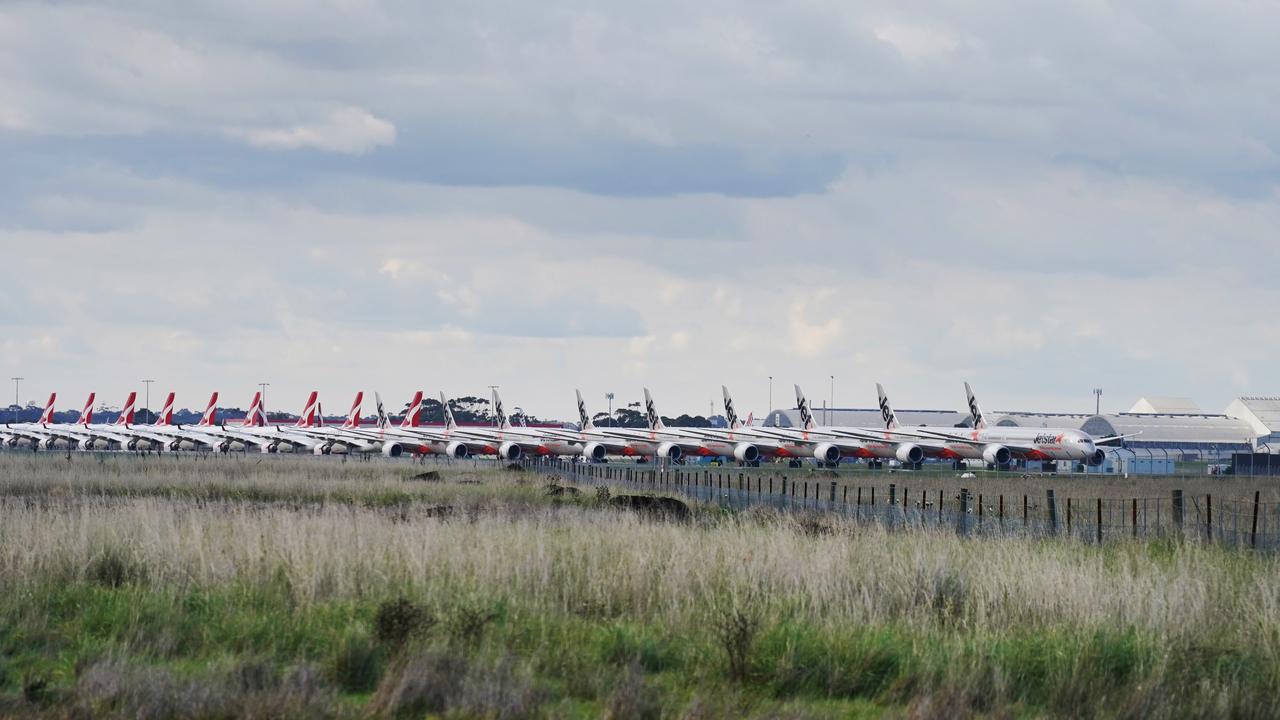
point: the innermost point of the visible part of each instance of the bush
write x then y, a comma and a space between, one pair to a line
114, 568
398, 620
357, 666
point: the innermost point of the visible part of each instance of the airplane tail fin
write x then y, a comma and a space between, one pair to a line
353, 417
308, 417
210, 417
165, 416
751, 419
256, 417
806, 415
46, 417
730, 413
86, 415
126, 415
584, 419
413, 416
383, 421
975, 411
449, 423
500, 414
319, 415
651, 413
886, 410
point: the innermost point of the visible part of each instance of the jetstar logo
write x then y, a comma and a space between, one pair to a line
651, 413
1048, 439
974, 412
886, 413
806, 417
731, 414
582, 413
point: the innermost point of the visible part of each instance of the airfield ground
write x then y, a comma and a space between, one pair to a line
275, 587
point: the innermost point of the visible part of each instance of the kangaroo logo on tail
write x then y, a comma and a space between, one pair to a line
46, 417
308, 417
256, 417
165, 417
413, 416
353, 417
86, 415
806, 417
126, 415
210, 417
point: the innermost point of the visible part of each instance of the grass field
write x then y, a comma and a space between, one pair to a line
226, 587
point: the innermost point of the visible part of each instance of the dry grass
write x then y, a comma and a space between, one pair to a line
514, 575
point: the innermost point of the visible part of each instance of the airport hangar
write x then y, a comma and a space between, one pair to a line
1166, 431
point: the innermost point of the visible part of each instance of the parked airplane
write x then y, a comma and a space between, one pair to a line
998, 445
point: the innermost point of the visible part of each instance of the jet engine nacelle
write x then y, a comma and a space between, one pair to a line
909, 453
175, 445
50, 443
324, 449
271, 447
996, 454
669, 451
392, 449
510, 451
457, 450
132, 444
826, 452
594, 452
746, 452
1097, 458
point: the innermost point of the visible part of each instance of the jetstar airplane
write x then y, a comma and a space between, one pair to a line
998, 445
671, 444
507, 441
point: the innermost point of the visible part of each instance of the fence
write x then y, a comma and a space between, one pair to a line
1240, 523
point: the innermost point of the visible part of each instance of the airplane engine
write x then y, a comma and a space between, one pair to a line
826, 452
271, 447
594, 452
746, 452
132, 445
996, 454
670, 451
510, 451
223, 446
909, 453
392, 449
175, 445
457, 450
1097, 458
50, 443
324, 449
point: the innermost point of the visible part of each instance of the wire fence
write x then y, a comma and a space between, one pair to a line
1244, 523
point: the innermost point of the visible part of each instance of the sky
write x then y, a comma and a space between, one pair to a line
1038, 198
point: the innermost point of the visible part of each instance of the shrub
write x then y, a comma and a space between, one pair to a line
357, 666
398, 620
114, 568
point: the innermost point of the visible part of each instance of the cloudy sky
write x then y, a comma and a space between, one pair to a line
1039, 198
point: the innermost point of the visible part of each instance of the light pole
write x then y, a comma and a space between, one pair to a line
16, 380
262, 398
832, 405
147, 407
492, 390
770, 408
1097, 401
609, 396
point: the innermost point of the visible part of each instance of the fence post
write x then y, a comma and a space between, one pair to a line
1052, 508
939, 506
1068, 517
1024, 512
1099, 528
1134, 518
1177, 510
893, 494
770, 484
1002, 511
833, 491
962, 522
1208, 516
1253, 533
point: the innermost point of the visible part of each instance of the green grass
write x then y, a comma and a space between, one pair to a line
145, 595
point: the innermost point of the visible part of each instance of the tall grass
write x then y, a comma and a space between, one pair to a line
575, 608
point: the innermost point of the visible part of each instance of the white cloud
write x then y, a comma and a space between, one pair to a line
349, 130
915, 42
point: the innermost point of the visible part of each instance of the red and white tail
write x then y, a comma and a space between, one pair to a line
46, 417
126, 415
210, 417
308, 417
353, 417
86, 415
256, 417
166, 413
413, 418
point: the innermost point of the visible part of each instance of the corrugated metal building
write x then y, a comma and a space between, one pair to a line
1263, 415
1187, 436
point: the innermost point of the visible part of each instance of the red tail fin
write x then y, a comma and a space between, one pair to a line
413, 418
166, 413
353, 417
308, 417
256, 417
86, 415
126, 415
46, 417
210, 417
